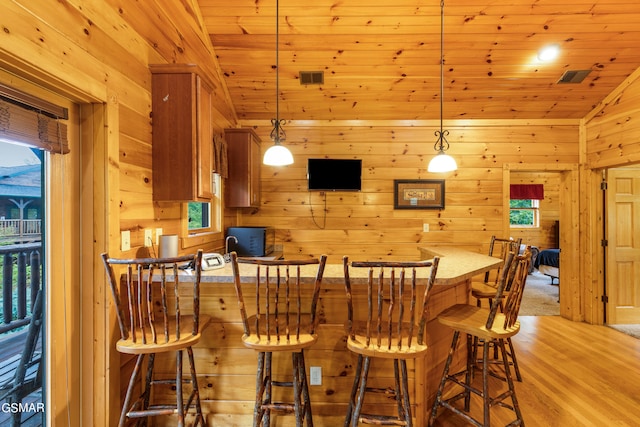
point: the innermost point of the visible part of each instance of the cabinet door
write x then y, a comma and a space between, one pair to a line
243, 154
182, 133
254, 176
204, 144
174, 113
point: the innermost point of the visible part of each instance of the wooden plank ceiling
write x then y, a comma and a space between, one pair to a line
381, 58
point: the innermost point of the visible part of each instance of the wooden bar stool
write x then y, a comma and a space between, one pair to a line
391, 327
153, 320
486, 290
282, 319
498, 248
493, 327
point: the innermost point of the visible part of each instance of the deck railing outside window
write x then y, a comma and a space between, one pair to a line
20, 230
21, 279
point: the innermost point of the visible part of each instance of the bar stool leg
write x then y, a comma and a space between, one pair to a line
261, 386
512, 354
354, 391
301, 400
443, 380
486, 399
396, 375
362, 389
296, 383
469, 372
305, 390
405, 394
196, 390
146, 396
512, 390
179, 400
128, 396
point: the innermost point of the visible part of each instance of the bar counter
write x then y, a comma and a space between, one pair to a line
228, 369
455, 266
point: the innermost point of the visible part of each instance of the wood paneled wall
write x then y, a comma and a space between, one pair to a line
613, 131
365, 225
611, 136
98, 52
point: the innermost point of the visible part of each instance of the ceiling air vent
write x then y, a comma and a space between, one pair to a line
311, 77
574, 76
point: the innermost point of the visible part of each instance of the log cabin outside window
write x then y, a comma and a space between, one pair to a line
524, 213
199, 216
205, 217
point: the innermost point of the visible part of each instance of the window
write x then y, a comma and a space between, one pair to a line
524, 213
199, 216
23, 279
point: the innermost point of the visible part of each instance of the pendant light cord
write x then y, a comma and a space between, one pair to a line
441, 63
441, 144
277, 133
278, 67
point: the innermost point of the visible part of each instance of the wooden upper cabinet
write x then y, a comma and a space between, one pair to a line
182, 133
243, 154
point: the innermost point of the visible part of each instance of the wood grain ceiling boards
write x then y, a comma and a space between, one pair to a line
381, 58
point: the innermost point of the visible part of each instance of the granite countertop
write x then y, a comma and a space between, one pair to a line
455, 266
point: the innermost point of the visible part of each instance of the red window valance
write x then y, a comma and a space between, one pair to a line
527, 192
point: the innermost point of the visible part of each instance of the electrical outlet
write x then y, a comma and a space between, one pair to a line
125, 240
425, 228
315, 375
148, 237
158, 234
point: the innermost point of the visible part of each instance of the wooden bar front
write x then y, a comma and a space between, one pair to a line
227, 369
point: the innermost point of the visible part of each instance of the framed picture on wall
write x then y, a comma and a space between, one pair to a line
418, 193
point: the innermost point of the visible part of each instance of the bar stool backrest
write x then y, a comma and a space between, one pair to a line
514, 276
500, 248
517, 282
148, 299
283, 305
394, 315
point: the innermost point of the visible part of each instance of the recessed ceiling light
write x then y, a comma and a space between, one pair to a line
549, 53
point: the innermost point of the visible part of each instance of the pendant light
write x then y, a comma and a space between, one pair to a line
442, 162
277, 154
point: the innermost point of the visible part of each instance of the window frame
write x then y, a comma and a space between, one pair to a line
534, 209
200, 236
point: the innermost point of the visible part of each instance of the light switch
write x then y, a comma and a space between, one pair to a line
125, 240
148, 237
315, 375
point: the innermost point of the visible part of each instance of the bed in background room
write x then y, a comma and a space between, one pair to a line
548, 262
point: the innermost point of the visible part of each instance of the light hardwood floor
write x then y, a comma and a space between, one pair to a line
574, 374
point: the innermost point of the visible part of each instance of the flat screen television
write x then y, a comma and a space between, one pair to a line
334, 174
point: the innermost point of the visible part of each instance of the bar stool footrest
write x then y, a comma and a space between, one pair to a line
381, 420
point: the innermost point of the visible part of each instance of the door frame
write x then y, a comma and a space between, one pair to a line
571, 293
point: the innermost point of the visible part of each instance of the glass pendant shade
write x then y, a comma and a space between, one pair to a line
442, 162
277, 155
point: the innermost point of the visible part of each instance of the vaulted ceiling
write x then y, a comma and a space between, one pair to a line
381, 58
